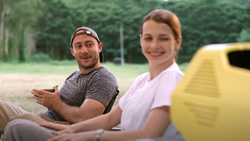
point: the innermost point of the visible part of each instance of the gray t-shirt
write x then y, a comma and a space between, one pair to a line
100, 84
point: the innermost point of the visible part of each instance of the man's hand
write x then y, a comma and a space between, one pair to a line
45, 98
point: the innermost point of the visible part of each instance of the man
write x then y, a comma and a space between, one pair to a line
85, 94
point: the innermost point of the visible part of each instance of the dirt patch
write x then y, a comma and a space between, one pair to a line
16, 88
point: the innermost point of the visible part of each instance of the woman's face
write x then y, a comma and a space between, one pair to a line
158, 43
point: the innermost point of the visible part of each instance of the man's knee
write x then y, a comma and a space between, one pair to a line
29, 116
12, 130
17, 129
8, 111
20, 129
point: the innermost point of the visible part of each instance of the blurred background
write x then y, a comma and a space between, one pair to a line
40, 30
35, 38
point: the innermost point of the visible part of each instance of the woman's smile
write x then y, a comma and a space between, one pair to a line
155, 53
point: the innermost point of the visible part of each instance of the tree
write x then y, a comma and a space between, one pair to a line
244, 36
55, 27
17, 25
33, 26
208, 22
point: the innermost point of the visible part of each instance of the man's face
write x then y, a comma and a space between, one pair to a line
86, 51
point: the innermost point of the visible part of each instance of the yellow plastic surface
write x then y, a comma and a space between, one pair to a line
212, 101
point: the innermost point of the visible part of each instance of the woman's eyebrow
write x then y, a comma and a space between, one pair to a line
165, 34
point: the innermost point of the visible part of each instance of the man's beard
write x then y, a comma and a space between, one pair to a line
92, 65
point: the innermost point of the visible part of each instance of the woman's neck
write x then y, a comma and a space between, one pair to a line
155, 70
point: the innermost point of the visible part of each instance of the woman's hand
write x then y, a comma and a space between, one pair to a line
60, 129
68, 130
57, 127
82, 136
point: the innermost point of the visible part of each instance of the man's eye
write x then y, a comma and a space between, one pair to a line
78, 46
88, 44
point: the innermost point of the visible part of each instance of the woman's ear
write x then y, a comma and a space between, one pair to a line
178, 43
140, 38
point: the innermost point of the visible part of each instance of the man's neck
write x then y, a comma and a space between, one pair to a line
87, 70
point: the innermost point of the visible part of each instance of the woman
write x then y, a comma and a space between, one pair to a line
144, 111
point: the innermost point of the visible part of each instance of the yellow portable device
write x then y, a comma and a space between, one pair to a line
212, 101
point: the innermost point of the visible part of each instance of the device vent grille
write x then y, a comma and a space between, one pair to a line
204, 81
204, 115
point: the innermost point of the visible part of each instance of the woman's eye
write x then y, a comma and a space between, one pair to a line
164, 39
147, 38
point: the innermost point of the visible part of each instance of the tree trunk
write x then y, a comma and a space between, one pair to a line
6, 42
30, 41
1, 33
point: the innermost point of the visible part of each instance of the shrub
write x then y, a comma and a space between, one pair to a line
39, 57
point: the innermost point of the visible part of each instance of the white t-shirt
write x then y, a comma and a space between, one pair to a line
145, 95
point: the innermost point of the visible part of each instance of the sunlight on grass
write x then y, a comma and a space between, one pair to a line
55, 67
17, 80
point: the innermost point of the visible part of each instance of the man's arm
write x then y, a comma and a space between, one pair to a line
89, 109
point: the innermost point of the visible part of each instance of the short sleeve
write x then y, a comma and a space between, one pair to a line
102, 86
167, 83
123, 99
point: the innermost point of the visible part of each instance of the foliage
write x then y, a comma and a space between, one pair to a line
55, 26
52, 22
17, 18
244, 36
39, 57
208, 22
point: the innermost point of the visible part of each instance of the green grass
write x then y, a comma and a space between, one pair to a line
66, 67
17, 80
53, 67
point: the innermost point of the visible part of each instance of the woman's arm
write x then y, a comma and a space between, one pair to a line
106, 122
155, 126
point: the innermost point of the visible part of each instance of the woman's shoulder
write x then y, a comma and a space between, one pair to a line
142, 77
174, 69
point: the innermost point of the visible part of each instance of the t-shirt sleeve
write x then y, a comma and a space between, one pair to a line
165, 88
124, 98
102, 87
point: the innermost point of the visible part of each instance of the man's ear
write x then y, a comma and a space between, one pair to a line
100, 46
72, 51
